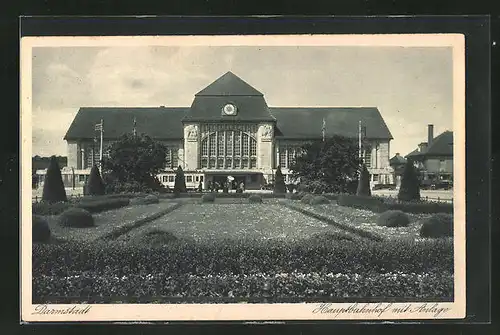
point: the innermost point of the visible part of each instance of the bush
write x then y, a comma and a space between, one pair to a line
422, 207
279, 184
364, 183
255, 198
294, 196
410, 184
49, 208
53, 187
76, 218
101, 205
393, 218
436, 226
147, 200
180, 181
40, 231
306, 199
319, 200
95, 185
210, 197
368, 203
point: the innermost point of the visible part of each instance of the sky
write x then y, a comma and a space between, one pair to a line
411, 86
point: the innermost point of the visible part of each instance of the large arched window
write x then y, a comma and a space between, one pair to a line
228, 149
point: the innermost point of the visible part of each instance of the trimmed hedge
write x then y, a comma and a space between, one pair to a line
318, 200
76, 218
255, 199
147, 200
436, 226
293, 196
306, 199
157, 237
393, 218
361, 202
49, 208
304, 268
97, 206
422, 207
209, 197
40, 231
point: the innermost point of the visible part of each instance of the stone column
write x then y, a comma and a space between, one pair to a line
265, 138
191, 146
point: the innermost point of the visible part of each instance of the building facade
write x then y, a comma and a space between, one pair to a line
434, 158
229, 130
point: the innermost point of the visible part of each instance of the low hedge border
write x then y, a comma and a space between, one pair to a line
353, 230
136, 224
101, 205
222, 195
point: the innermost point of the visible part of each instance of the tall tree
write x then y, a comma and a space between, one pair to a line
95, 185
279, 182
53, 187
134, 160
410, 183
332, 164
180, 181
364, 183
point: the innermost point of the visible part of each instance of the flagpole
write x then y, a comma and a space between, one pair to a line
359, 141
100, 154
323, 129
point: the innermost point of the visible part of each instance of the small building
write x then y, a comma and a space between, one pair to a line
397, 164
434, 158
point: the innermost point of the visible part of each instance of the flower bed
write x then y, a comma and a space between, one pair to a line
299, 269
106, 222
364, 219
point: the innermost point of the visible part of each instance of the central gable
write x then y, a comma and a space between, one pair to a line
208, 104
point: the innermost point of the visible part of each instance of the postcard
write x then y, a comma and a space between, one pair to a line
270, 177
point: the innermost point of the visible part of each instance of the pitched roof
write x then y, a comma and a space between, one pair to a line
166, 123
157, 122
229, 84
397, 159
442, 145
307, 122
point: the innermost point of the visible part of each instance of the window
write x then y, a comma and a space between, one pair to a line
375, 178
282, 161
165, 179
442, 165
189, 179
291, 156
201, 178
81, 178
171, 179
197, 178
228, 149
368, 157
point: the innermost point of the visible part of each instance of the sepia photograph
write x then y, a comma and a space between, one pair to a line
243, 177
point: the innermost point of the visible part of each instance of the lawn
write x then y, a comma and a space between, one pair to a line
268, 221
106, 222
365, 220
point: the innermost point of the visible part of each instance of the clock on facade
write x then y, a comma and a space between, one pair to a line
229, 109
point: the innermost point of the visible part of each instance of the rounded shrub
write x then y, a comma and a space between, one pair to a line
40, 229
393, 218
76, 217
152, 199
255, 199
319, 200
210, 197
436, 226
306, 199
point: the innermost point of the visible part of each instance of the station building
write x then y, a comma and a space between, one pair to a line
229, 130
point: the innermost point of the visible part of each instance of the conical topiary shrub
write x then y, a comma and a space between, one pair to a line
364, 183
279, 182
180, 181
410, 185
53, 187
95, 185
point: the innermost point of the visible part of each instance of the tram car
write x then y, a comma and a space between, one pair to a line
193, 180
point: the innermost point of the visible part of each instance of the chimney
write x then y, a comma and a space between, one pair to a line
430, 134
397, 154
422, 147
